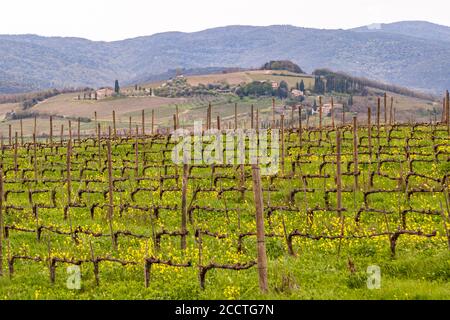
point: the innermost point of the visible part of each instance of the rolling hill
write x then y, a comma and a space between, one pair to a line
396, 53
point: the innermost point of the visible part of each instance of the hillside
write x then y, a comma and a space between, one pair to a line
235, 78
67, 106
31, 62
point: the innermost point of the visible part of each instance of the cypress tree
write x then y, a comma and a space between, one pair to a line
302, 86
116, 87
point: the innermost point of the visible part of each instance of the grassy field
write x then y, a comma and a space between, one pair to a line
68, 105
398, 194
190, 110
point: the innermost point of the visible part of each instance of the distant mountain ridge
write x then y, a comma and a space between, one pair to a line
416, 29
412, 54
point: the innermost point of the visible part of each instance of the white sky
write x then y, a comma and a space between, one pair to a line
119, 19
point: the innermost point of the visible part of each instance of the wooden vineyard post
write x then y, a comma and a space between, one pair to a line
208, 110
339, 187
174, 122
143, 123
51, 131
16, 146
95, 122
252, 118
184, 205
260, 233
79, 130
257, 120
235, 117
10, 135
242, 181
385, 108
200, 259
320, 114
218, 123
447, 108
130, 132
70, 131
99, 144
153, 121
332, 113
21, 132
209, 116
273, 113
320, 120
95, 262
147, 267
378, 120
110, 192
300, 129
338, 173
51, 263
35, 157
62, 135
69, 178
36, 217
114, 124
136, 154
343, 116
282, 144
369, 130
69, 184
291, 125
355, 151
35, 126
390, 111
1, 222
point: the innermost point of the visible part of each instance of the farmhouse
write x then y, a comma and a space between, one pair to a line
326, 109
104, 92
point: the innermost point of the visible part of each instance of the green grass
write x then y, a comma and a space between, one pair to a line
320, 269
310, 276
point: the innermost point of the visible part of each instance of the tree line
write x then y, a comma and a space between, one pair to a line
329, 81
263, 89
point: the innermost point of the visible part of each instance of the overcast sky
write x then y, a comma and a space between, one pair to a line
114, 20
